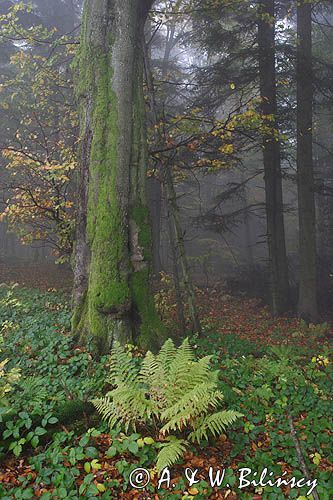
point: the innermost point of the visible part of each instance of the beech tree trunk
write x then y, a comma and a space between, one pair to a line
272, 160
112, 299
307, 302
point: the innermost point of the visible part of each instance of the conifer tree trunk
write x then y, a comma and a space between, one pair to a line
272, 160
307, 301
112, 299
155, 183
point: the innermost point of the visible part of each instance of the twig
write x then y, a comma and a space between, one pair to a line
299, 453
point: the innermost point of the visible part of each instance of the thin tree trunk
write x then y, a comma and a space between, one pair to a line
187, 281
177, 283
174, 211
272, 160
113, 249
247, 227
307, 302
154, 182
178, 250
155, 188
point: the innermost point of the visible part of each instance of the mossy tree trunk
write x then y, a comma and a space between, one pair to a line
112, 299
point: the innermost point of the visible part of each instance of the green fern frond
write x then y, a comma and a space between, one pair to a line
194, 373
122, 368
170, 453
133, 403
167, 354
107, 410
214, 425
198, 402
191, 399
34, 390
151, 372
183, 358
125, 405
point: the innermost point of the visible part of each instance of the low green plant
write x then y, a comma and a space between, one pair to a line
171, 392
7, 378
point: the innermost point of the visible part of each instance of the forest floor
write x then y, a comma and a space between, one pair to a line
44, 275
272, 370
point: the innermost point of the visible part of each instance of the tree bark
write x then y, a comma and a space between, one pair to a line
307, 302
154, 182
112, 299
272, 160
176, 277
181, 251
174, 226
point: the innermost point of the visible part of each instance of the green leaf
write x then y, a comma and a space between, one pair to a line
96, 465
140, 443
92, 490
112, 452
84, 441
133, 447
35, 441
40, 431
91, 452
62, 492
17, 450
148, 440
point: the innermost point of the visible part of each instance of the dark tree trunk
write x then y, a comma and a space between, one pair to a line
307, 302
113, 248
155, 187
272, 160
154, 182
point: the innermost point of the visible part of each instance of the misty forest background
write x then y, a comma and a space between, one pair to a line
166, 176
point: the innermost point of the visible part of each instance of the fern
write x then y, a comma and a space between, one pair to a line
34, 391
167, 354
170, 452
122, 369
196, 402
214, 425
172, 390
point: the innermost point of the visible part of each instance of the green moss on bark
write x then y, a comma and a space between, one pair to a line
108, 293
151, 331
118, 303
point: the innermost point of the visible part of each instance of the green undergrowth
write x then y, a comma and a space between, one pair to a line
55, 377
60, 449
